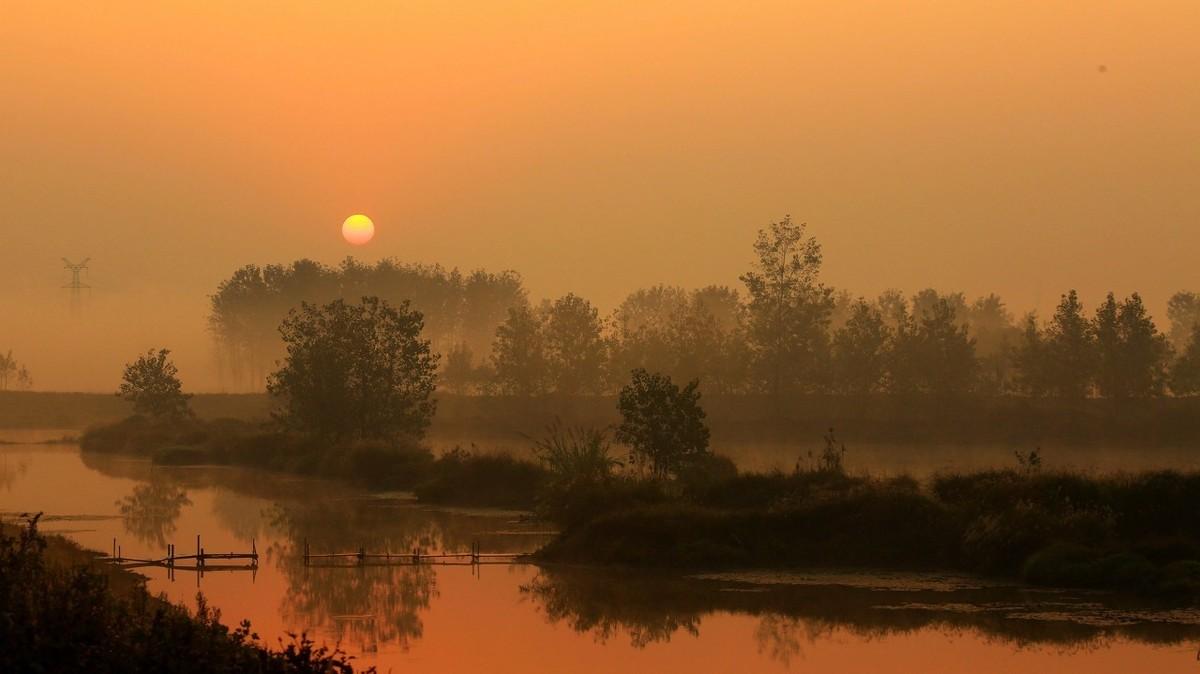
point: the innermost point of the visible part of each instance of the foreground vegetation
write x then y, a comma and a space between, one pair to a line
59, 613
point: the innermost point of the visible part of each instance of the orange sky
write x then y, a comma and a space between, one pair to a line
596, 147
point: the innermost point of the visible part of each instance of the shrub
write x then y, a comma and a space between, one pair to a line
497, 480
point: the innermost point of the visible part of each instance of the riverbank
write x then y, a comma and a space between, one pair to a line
457, 477
967, 420
63, 612
1137, 532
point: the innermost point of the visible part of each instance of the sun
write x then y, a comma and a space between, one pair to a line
358, 229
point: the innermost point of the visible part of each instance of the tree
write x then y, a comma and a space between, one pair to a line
24, 379
575, 349
1132, 354
789, 309
860, 350
152, 384
1030, 360
1107, 335
1070, 359
1185, 373
459, 374
934, 354
990, 324
355, 371
663, 424
8, 368
519, 354
1183, 310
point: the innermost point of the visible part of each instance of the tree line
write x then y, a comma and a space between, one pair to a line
782, 332
461, 310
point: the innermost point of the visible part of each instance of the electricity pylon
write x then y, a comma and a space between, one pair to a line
76, 285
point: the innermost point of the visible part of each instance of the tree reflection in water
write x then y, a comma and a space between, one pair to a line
11, 469
648, 608
149, 513
368, 605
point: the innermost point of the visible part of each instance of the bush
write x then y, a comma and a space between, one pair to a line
496, 480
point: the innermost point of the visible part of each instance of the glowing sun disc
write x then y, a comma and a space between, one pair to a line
358, 229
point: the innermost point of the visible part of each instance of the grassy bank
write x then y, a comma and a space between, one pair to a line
961, 420
1133, 532
61, 612
458, 477
1137, 532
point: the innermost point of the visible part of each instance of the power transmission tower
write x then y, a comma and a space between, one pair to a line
76, 285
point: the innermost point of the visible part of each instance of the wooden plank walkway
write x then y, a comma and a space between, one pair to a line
201, 561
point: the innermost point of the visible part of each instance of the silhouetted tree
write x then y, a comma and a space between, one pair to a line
663, 424
1070, 359
459, 374
9, 368
934, 354
1132, 355
24, 379
152, 384
575, 349
519, 354
355, 370
789, 309
860, 350
1185, 373
1030, 360
1183, 310
685, 335
990, 324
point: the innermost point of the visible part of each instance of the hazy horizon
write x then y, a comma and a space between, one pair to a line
594, 149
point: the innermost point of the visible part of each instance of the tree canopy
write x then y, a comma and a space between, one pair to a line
355, 371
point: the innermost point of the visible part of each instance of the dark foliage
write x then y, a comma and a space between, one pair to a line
63, 616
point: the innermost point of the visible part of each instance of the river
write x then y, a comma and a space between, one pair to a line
521, 618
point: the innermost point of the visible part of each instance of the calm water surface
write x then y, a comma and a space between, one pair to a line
519, 618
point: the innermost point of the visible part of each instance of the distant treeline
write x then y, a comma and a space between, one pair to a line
782, 333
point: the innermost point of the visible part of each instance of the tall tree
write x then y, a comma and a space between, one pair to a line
860, 350
1030, 360
1070, 350
934, 354
789, 308
519, 363
8, 368
575, 348
1185, 373
990, 324
1183, 310
152, 384
1132, 354
459, 374
355, 371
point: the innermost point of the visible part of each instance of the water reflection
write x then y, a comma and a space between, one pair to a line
11, 470
650, 608
150, 512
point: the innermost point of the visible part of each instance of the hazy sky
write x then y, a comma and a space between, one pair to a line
1021, 147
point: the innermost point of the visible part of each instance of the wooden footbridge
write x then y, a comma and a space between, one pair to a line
204, 561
